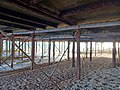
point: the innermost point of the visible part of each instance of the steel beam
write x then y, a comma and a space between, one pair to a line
20, 20
80, 26
44, 12
88, 7
26, 18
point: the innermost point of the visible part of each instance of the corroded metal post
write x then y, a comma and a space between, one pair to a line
101, 48
1, 48
118, 52
13, 51
33, 51
73, 54
91, 51
25, 45
68, 50
9, 47
86, 50
49, 52
22, 49
19, 46
114, 54
42, 49
59, 48
36, 47
28, 47
78, 54
6, 48
53, 51
95, 48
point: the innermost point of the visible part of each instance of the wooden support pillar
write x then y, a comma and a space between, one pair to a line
91, 51
49, 51
1, 48
78, 55
53, 51
114, 54
13, 51
95, 48
68, 50
33, 51
86, 50
73, 54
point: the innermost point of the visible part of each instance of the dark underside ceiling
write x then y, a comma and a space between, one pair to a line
42, 14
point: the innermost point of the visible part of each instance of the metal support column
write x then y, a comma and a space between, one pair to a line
101, 48
53, 51
1, 48
86, 50
6, 48
49, 52
33, 51
59, 48
118, 52
73, 54
9, 46
68, 50
78, 55
95, 48
28, 46
19, 46
22, 49
91, 51
25, 45
13, 51
36, 47
114, 54
42, 49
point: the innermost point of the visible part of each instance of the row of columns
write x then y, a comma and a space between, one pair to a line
73, 51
